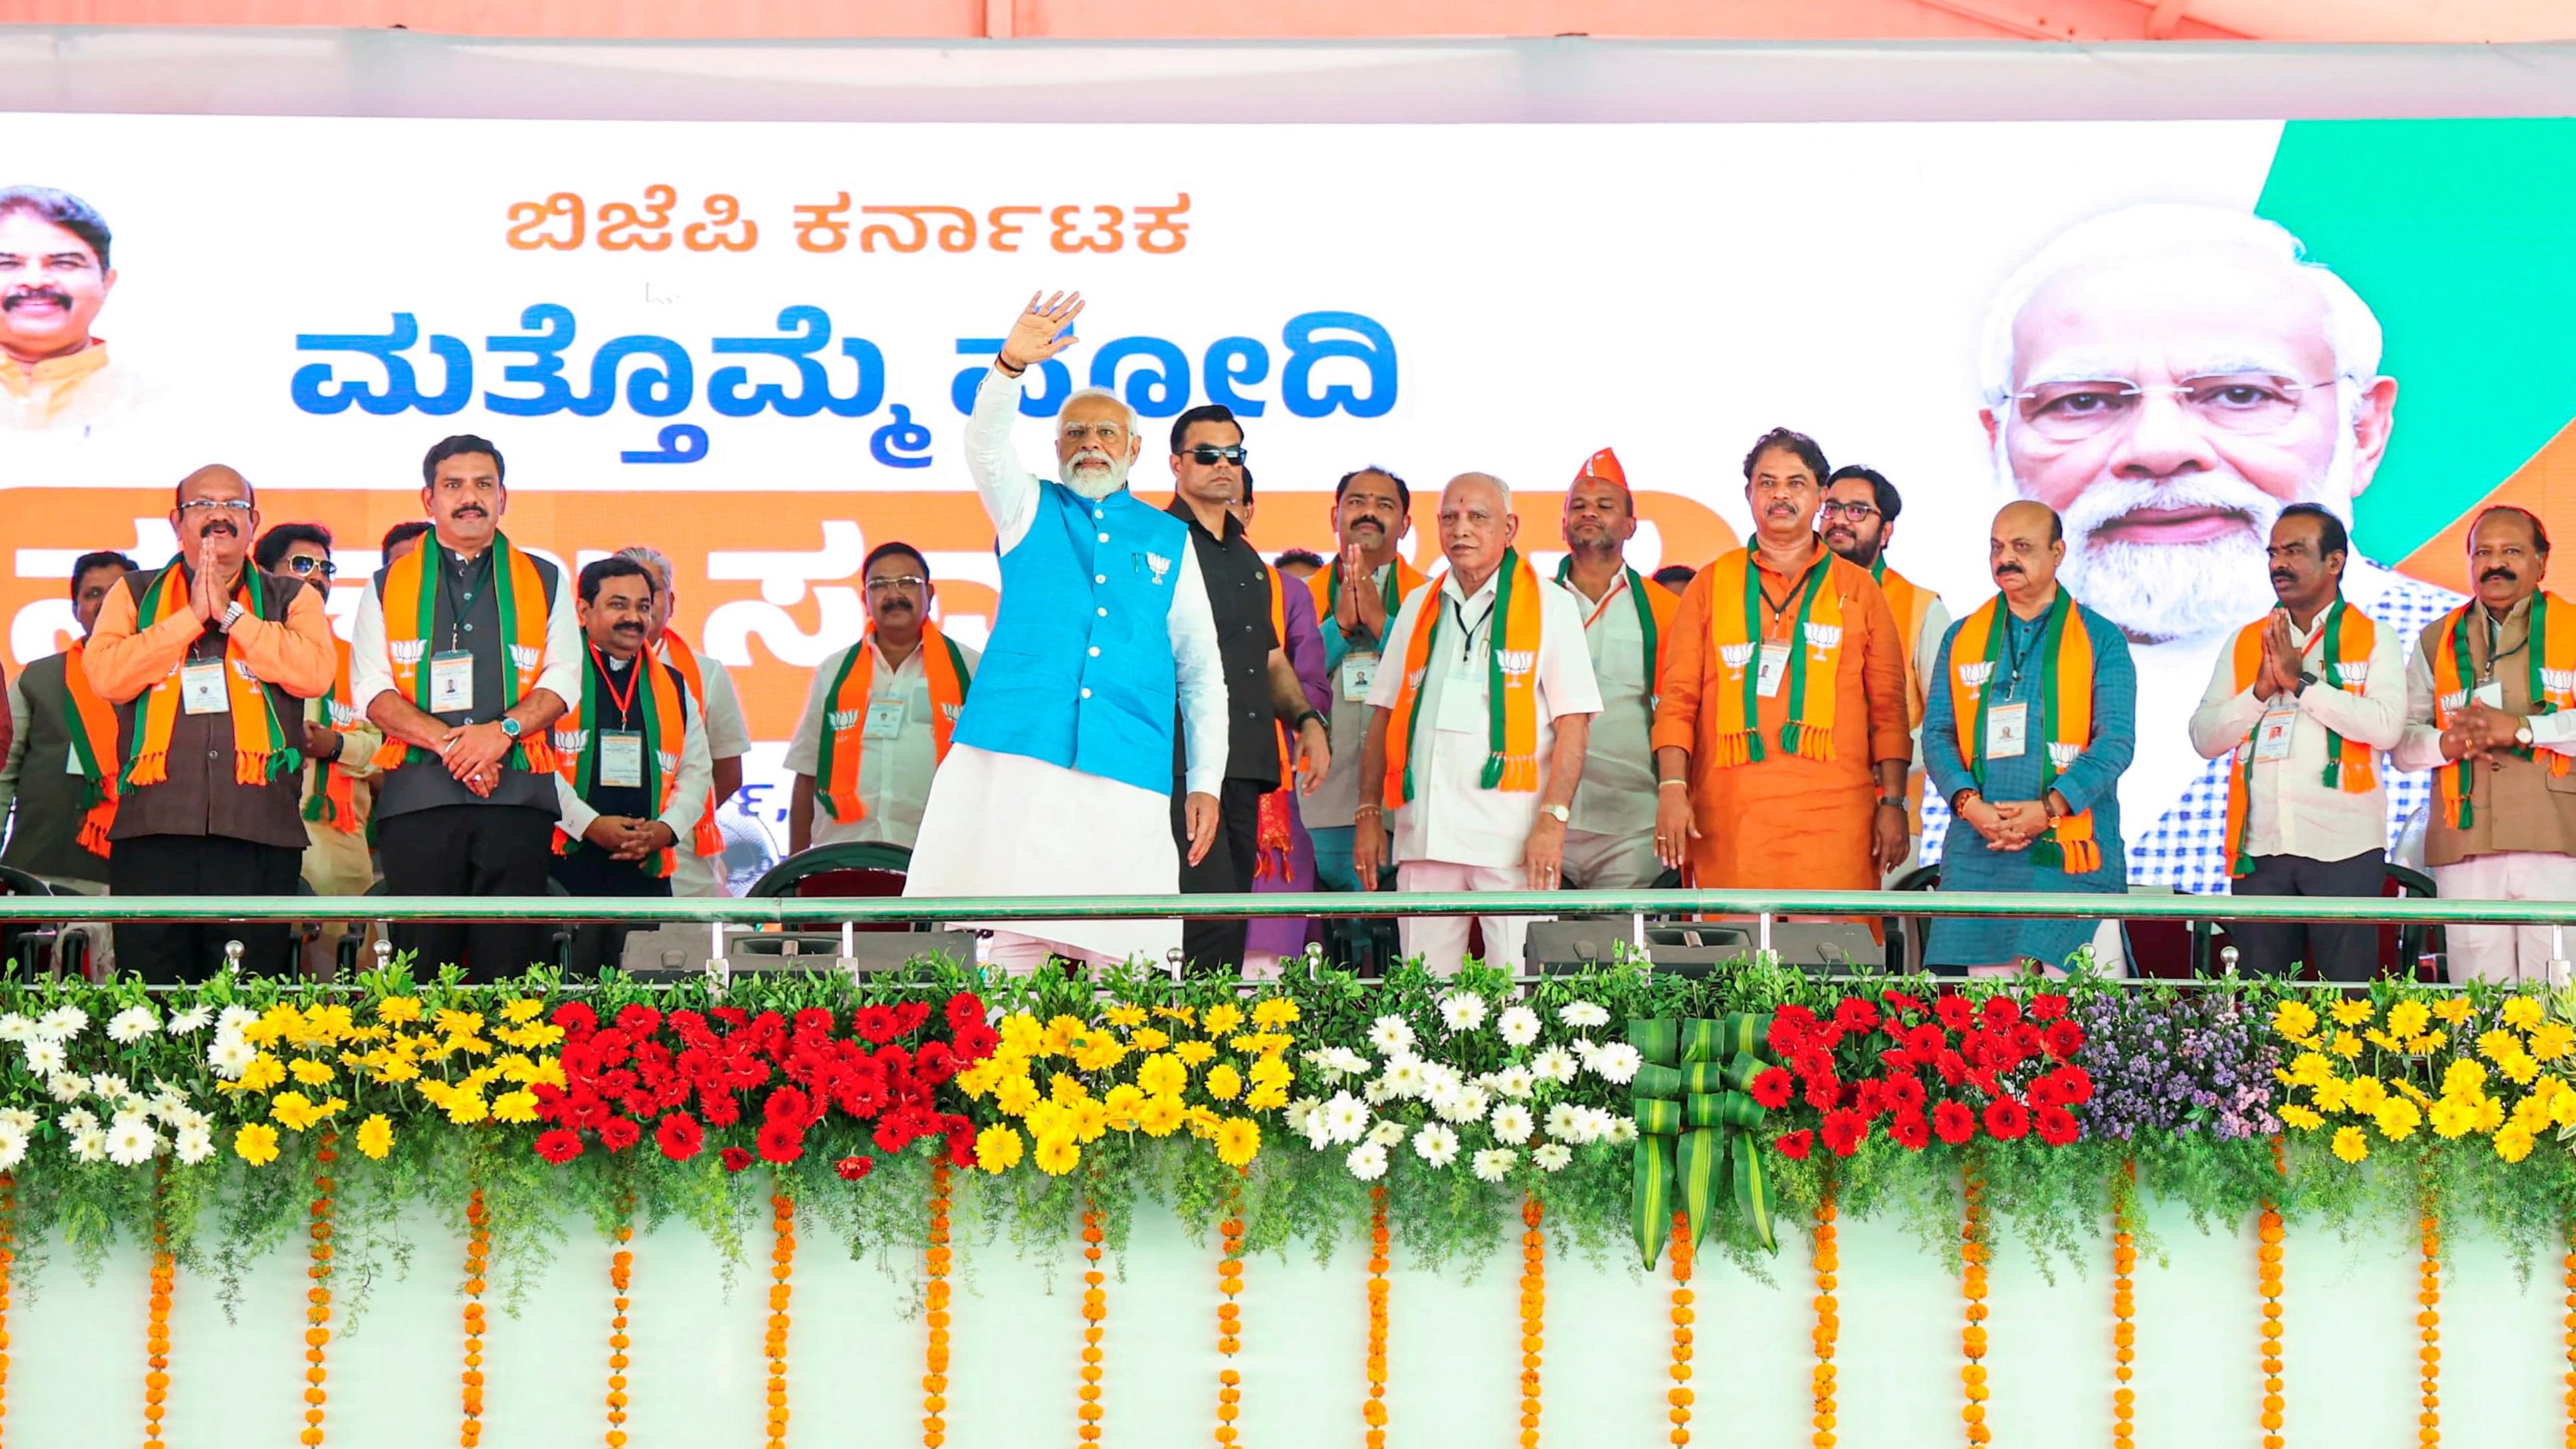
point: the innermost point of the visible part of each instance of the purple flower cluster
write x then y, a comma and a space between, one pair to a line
2194, 1061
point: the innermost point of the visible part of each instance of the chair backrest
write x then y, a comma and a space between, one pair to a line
867, 868
1906, 936
2402, 949
16, 882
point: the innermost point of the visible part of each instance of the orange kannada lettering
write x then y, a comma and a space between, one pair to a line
531, 223
623, 227
723, 213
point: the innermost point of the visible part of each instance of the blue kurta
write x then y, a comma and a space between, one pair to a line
2091, 782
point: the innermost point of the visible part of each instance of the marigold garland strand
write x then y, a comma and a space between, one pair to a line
1095, 1312
1679, 1395
621, 1276
782, 1258
1229, 1319
2124, 1308
156, 1341
2267, 1273
317, 1299
2430, 1322
1828, 1262
8, 1260
1374, 1411
1533, 1315
1972, 1282
936, 1262
478, 1255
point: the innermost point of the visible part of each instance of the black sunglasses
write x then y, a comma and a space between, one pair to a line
1206, 454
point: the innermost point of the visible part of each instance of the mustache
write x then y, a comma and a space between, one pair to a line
2284, 576
223, 526
1094, 456
2010, 568
2499, 572
21, 298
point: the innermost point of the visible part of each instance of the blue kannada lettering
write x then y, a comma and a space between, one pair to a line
680, 443
1158, 373
317, 390
812, 328
894, 443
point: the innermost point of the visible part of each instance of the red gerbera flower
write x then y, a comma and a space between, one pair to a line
1844, 1132
1910, 1130
576, 1017
909, 1015
2065, 1038
1926, 1041
1823, 1092
934, 1063
2001, 1012
961, 1146
1899, 1001
854, 1168
2047, 1006
876, 1023
1773, 1086
964, 1007
619, 1133
2048, 1092
976, 1041
1905, 1094
781, 1142
638, 1020
735, 1159
1856, 1013
814, 1021
559, 1146
680, 1137
2076, 1082
1953, 1011
2007, 1119
788, 1105
1953, 1122
1796, 1144
2056, 1126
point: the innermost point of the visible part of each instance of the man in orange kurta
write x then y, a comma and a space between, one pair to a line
1806, 787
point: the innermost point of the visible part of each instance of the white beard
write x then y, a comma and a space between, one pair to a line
1106, 476
2162, 591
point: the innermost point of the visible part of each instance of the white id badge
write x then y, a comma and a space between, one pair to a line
885, 719
2272, 734
621, 759
451, 682
2007, 731
1462, 704
1774, 668
2490, 694
201, 687
1359, 671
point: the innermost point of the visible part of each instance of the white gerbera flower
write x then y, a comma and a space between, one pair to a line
132, 1025
62, 1023
229, 1055
1555, 1064
1565, 1122
13, 1145
1367, 1162
185, 1119
191, 1021
1618, 1062
1583, 1014
77, 1121
194, 1144
1513, 1124
1391, 1034
64, 1087
1515, 1081
1348, 1062
20, 1118
90, 1146
234, 1020
110, 1086
1471, 1106
1404, 1077
1378, 1092
1345, 1118
1436, 1144
1518, 1025
1462, 1011
1495, 1163
1386, 1134
1444, 1098
16, 1026
1597, 1122
1553, 1157
46, 1057
132, 1142
1623, 1130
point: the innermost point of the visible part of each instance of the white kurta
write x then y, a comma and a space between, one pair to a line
1009, 825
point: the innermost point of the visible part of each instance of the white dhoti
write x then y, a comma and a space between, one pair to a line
1008, 825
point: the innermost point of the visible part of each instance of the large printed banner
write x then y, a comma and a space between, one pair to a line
751, 345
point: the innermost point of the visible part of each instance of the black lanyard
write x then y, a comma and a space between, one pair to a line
1468, 632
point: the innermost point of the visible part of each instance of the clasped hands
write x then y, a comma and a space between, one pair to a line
2279, 672
2480, 731
2007, 824
626, 838
473, 754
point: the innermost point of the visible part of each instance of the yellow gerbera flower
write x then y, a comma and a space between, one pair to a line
2490, 1114
1196, 1053
1021, 1035
2519, 1068
398, 1010
2294, 1019
2350, 1145
1090, 1120
1274, 1013
2301, 1118
1121, 1105
515, 1107
2382, 1040
2453, 1010
2409, 1018
1238, 1139
467, 1108
2453, 1117
1016, 1096
2513, 1144
978, 1079
1060, 1033
521, 1010
2398, 1119
2522, 1012
2553, 1040
2429, 1042
1066, 1088
1267, 1099
310, 1072
2328, 1095
2366, 1094
1057, 1156
1181, 1014
1159, 1116
1224, 1083
1221, 1019
1098, 1051
1125, 1017
2309, 1068
376, 1136
451, 1022
2346, 1045
2562, 1109
1270, 1072
2350, 1013
1149, 1039
997, 1149
2495, 1046
256, 1144
1163, 1075
2464, 1078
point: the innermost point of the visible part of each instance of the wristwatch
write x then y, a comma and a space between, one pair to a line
232, 616
1891, 802
1559, 813
1317, 716
2522, 735
509, 727
2306, 678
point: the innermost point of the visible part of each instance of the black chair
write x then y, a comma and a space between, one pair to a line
1907, 936
2402, 948
859, 869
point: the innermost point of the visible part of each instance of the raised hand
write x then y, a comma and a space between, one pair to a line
1041, 330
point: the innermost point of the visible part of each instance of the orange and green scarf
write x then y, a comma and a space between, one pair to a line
1911, 603
1735, 632
2349, 637
332, 797
1326, 586
2549, 660
1511, 686
261, 752
843, 746
92, 727
410, 609
673, 650
2065, 724
665, 727
1654, 605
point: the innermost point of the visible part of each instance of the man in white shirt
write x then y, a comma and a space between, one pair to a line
1059, 782
2302, 705
700, 870
1477, 734
885, 708
1610, 843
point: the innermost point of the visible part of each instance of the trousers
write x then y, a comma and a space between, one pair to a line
469, 850
213, 866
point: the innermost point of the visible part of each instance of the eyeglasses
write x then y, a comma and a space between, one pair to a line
898, 581
1856, 512
219, 506
1208, 455
301, 566
2235, 402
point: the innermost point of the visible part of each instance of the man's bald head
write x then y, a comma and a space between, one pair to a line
213, 507
1476, 526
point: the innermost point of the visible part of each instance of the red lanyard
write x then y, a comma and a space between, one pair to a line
625, 703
